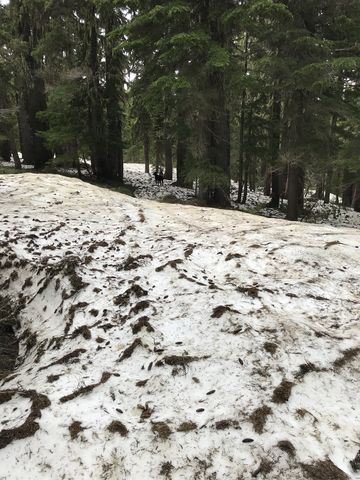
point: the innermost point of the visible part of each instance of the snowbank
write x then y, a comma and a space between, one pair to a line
167, 341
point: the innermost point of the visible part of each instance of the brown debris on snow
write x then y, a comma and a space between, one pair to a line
85, 390
166, 469
66, 358
84, 330
118, 427
287, 447
177, 360
282, 392
270, 347
132, 263
30, 426
323, 470
143, 322
187, 427
252, 292
264, 468
124, 298
75, 428
219, 311
258, 418
161, 430
347, 356
225, 424
172, 263
139, 307
130, 350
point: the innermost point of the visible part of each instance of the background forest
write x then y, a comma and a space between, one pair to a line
263, 92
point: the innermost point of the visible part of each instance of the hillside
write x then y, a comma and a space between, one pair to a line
177, 342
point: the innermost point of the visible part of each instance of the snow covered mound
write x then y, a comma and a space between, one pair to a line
166, 341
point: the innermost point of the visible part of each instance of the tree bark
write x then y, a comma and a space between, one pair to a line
147, 152
168, 159
242, 125
267, 182
347, 189
275, 139
328, 184
356, 197
32, 95
295, 192
5, 150
319, 193
14, 152
158, 153
114, 165
247, 159
96, 124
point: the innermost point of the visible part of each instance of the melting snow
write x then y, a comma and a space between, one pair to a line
214, 344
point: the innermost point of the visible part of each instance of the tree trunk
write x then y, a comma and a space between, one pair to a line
328, 185
356, 197
181, 151
96, 124
241, 145
114, 165
267, 182
275, 150
242, 124
248, 159
147, 152
14, 152
168, 160
333, 154
275, 189
180, 163
347, 189
246, 180
5, 150
32, 95
158, 153
319, 193
295, 192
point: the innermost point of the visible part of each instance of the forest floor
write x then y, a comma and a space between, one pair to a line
142, 185
177, 342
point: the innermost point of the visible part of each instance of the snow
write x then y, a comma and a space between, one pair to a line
289, 286
144, 186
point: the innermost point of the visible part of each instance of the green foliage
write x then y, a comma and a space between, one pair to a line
66, 117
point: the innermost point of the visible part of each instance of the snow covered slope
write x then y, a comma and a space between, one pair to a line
166, 341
